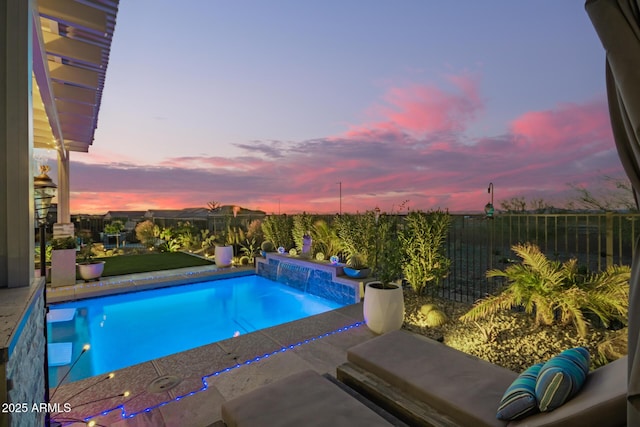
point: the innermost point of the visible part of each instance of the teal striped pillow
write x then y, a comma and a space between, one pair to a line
561, 378
519, 400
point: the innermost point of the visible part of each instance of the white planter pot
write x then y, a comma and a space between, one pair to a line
383, 308
63, 267
223, 256
91, 271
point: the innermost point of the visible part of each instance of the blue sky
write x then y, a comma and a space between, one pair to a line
267, 104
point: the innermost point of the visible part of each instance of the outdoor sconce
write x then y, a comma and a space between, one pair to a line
44, 191
488, 208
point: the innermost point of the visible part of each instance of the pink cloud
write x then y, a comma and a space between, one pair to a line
421, 109
580, 126
413, 148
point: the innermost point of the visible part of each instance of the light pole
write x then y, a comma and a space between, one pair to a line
44, 192
340, 189
488, 208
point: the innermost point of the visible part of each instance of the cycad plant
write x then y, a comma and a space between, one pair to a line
556, 292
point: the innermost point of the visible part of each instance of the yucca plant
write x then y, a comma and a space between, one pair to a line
556, 292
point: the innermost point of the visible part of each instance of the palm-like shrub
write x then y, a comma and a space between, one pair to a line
556, 292
325, 238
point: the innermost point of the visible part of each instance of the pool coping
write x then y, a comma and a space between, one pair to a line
194, 365
141, 282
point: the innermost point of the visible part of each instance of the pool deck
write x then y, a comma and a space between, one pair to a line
209, 375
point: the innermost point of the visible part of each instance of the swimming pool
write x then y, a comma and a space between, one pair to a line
132, 328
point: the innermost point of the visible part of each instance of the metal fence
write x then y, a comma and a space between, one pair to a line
477, 244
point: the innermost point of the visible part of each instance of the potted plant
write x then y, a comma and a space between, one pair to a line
63, 261
224, 247
383, 306
89, 269
356, 267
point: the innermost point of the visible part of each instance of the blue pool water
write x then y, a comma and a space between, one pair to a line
131, 328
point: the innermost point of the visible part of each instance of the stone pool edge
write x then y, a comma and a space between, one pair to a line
142, 282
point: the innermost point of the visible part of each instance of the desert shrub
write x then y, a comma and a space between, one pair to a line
359, 234
278, 229
254, 231
146, 233
423, 240
302, 223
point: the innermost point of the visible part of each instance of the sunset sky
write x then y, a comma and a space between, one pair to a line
270, 105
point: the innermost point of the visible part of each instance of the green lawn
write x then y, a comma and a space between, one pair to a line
128, 264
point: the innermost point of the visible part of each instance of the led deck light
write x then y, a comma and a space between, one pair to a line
205, 384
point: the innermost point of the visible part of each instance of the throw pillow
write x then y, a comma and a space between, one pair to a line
519, 400
561, 378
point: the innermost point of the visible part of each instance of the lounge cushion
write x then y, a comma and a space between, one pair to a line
561, 377
464, 387
303, 399
519, 400
602, 402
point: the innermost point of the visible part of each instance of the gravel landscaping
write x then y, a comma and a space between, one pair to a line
510, 339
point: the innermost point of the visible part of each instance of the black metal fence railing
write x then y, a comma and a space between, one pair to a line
476, 245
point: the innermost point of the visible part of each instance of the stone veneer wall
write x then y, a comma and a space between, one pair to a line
318, 279
25, 365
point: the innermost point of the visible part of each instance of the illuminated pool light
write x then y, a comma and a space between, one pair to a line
205, 384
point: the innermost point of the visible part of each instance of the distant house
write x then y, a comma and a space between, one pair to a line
124, 216
203, 218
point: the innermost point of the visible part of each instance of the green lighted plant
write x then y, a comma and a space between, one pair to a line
389, 258
250, 249
302, 223
68, 242
358, 234
325, 238
267, 246
279, 230
423, 243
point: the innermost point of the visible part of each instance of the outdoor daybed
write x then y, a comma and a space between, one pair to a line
304, 399
427, 383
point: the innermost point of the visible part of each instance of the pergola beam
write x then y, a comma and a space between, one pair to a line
43, 80
74, 75
74, 14
72, 50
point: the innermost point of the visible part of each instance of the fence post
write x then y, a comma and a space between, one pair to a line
609, 239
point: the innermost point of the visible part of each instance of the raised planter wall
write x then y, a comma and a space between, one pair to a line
317, 278
63, 267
